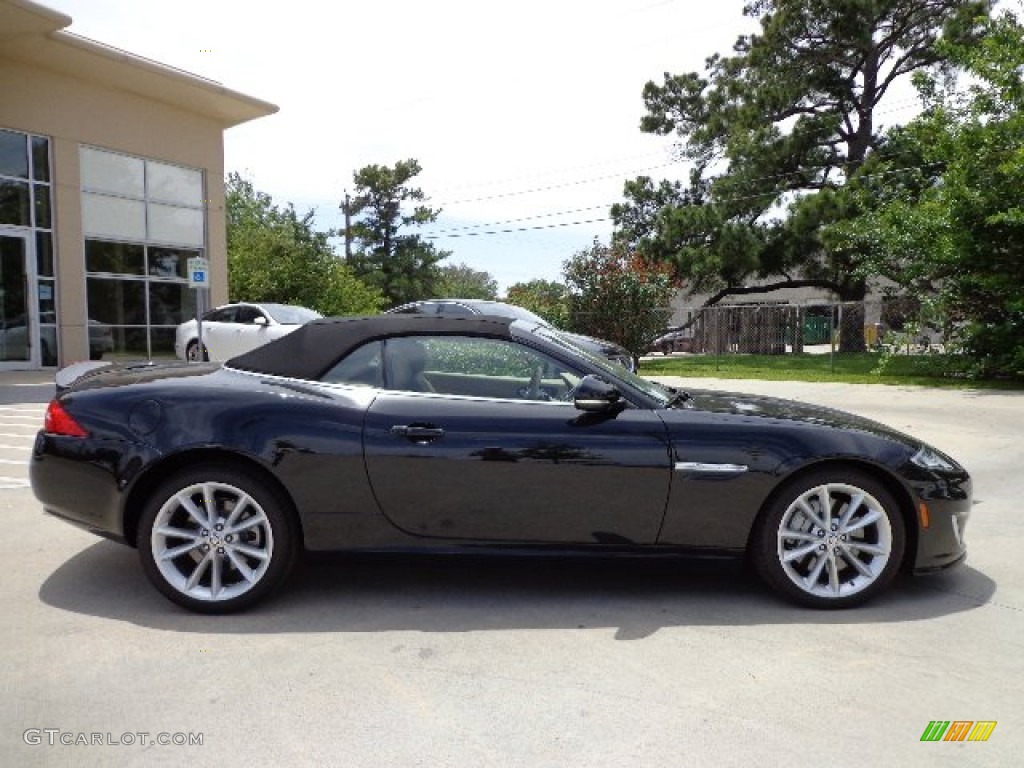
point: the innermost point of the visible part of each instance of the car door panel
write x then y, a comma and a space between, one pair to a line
217, 339
246, 334
516, 471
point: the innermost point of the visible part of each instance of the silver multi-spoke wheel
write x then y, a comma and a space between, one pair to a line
212, 541
830, 539
215, 541
834, 540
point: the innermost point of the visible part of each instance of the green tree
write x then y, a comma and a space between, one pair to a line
618, 295
402, 265
547, 298
949, 224
275, 255
459, 281
789, 116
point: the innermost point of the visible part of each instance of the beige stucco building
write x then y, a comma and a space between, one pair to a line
111, 177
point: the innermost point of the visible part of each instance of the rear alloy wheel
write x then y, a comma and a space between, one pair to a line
193, 355
215, 540
832, 539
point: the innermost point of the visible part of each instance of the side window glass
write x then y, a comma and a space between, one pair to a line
247, 315
225, 315
361, 367
475, 367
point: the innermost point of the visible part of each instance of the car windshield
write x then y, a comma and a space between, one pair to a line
652, 389
287, 314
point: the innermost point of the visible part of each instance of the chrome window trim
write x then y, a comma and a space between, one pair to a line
377, 391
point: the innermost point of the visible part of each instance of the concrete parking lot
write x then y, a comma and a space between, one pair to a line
364, 662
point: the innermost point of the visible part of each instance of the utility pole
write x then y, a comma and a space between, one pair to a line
346, 206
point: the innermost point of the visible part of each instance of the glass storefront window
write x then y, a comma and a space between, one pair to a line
44, 254
47, 301
170, 303
170, 262
41, 159
14, 203
113, 217
41, 198
161, 342
117, 302
126, 342
13, 155
112, 173
173, 184
168, 224
135, 211
115, 258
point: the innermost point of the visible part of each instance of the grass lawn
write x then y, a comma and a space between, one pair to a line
861, 368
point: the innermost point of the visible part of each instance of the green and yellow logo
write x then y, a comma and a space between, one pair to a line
958, 730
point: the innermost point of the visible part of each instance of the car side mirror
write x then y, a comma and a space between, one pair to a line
595, 395
260, 320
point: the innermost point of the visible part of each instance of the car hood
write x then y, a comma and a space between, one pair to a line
757, 407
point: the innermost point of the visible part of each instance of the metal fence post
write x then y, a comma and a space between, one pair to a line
832, 335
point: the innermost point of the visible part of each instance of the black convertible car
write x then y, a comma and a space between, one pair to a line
482, 434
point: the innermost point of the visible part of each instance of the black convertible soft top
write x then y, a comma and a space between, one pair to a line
311, 350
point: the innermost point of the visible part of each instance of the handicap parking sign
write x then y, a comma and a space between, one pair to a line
198, 272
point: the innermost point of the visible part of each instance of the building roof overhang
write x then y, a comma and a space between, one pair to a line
35, 35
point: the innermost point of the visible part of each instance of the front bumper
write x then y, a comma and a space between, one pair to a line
940, 543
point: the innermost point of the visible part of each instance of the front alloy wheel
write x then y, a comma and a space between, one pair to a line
215, 541
832, 540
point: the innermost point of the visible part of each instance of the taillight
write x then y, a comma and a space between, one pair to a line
59, 422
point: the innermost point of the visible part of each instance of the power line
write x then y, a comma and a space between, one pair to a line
546, 174
437, 233
579, 182
576, 183
522, 218
623, 174
557, 225
440, 236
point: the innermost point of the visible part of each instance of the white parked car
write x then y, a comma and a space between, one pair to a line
234, 329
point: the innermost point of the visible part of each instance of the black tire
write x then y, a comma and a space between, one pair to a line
840, 565
239, 563
192, 353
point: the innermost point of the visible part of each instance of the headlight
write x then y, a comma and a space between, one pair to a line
929, 458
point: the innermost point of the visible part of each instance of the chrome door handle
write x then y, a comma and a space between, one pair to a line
417, 433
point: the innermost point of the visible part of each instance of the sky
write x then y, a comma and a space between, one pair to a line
523, 115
